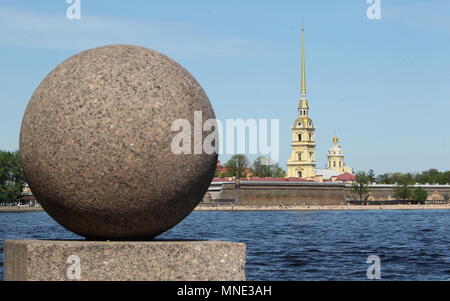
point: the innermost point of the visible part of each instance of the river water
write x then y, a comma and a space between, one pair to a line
282, 245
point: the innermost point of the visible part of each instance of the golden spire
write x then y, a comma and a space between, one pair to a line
303, 104
303, 80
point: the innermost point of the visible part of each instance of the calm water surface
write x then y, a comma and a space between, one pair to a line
322, 245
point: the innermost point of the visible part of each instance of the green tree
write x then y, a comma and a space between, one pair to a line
361, 185
432, 176
9, 192
237, 166
384, 179
263, 167
402, 191
11, 176
446, 177
371, 176
399, 178
420, 194
278, 172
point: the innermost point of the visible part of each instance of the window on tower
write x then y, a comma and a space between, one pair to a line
299, 156
334, 163
310, 137
300, 174
300, 137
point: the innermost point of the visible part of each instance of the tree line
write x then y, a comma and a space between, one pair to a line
239, 166
11, 176
403, 182
432, 176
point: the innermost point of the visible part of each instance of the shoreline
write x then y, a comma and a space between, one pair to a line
204, 207
321, 207
20, 209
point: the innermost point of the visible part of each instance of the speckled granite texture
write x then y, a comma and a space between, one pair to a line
96, 140
33, 260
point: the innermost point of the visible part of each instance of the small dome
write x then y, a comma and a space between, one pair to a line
336, 149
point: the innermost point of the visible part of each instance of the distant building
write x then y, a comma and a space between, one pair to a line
26, 196
346, 178
327, 174
302, 162
220, 169
336, 158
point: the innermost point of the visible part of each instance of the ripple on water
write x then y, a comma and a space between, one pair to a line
287, 245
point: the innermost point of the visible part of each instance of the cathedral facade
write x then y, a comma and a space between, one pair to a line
302, 162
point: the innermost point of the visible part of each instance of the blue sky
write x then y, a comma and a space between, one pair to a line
384, 85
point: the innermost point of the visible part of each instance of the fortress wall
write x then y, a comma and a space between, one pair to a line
379, 194
228, 192
275, 194
284, 194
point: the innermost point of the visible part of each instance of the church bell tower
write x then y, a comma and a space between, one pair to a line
302, 163
336, 157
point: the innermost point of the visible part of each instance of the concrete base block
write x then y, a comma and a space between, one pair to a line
40, 260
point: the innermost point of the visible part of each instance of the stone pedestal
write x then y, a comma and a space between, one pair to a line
41, 260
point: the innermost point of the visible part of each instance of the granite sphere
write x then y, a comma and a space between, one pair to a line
95, 143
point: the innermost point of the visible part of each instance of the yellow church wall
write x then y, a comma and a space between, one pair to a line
302, 162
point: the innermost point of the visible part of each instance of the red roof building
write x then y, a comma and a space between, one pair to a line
345, 177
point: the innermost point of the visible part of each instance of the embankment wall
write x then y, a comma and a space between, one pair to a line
286, 193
